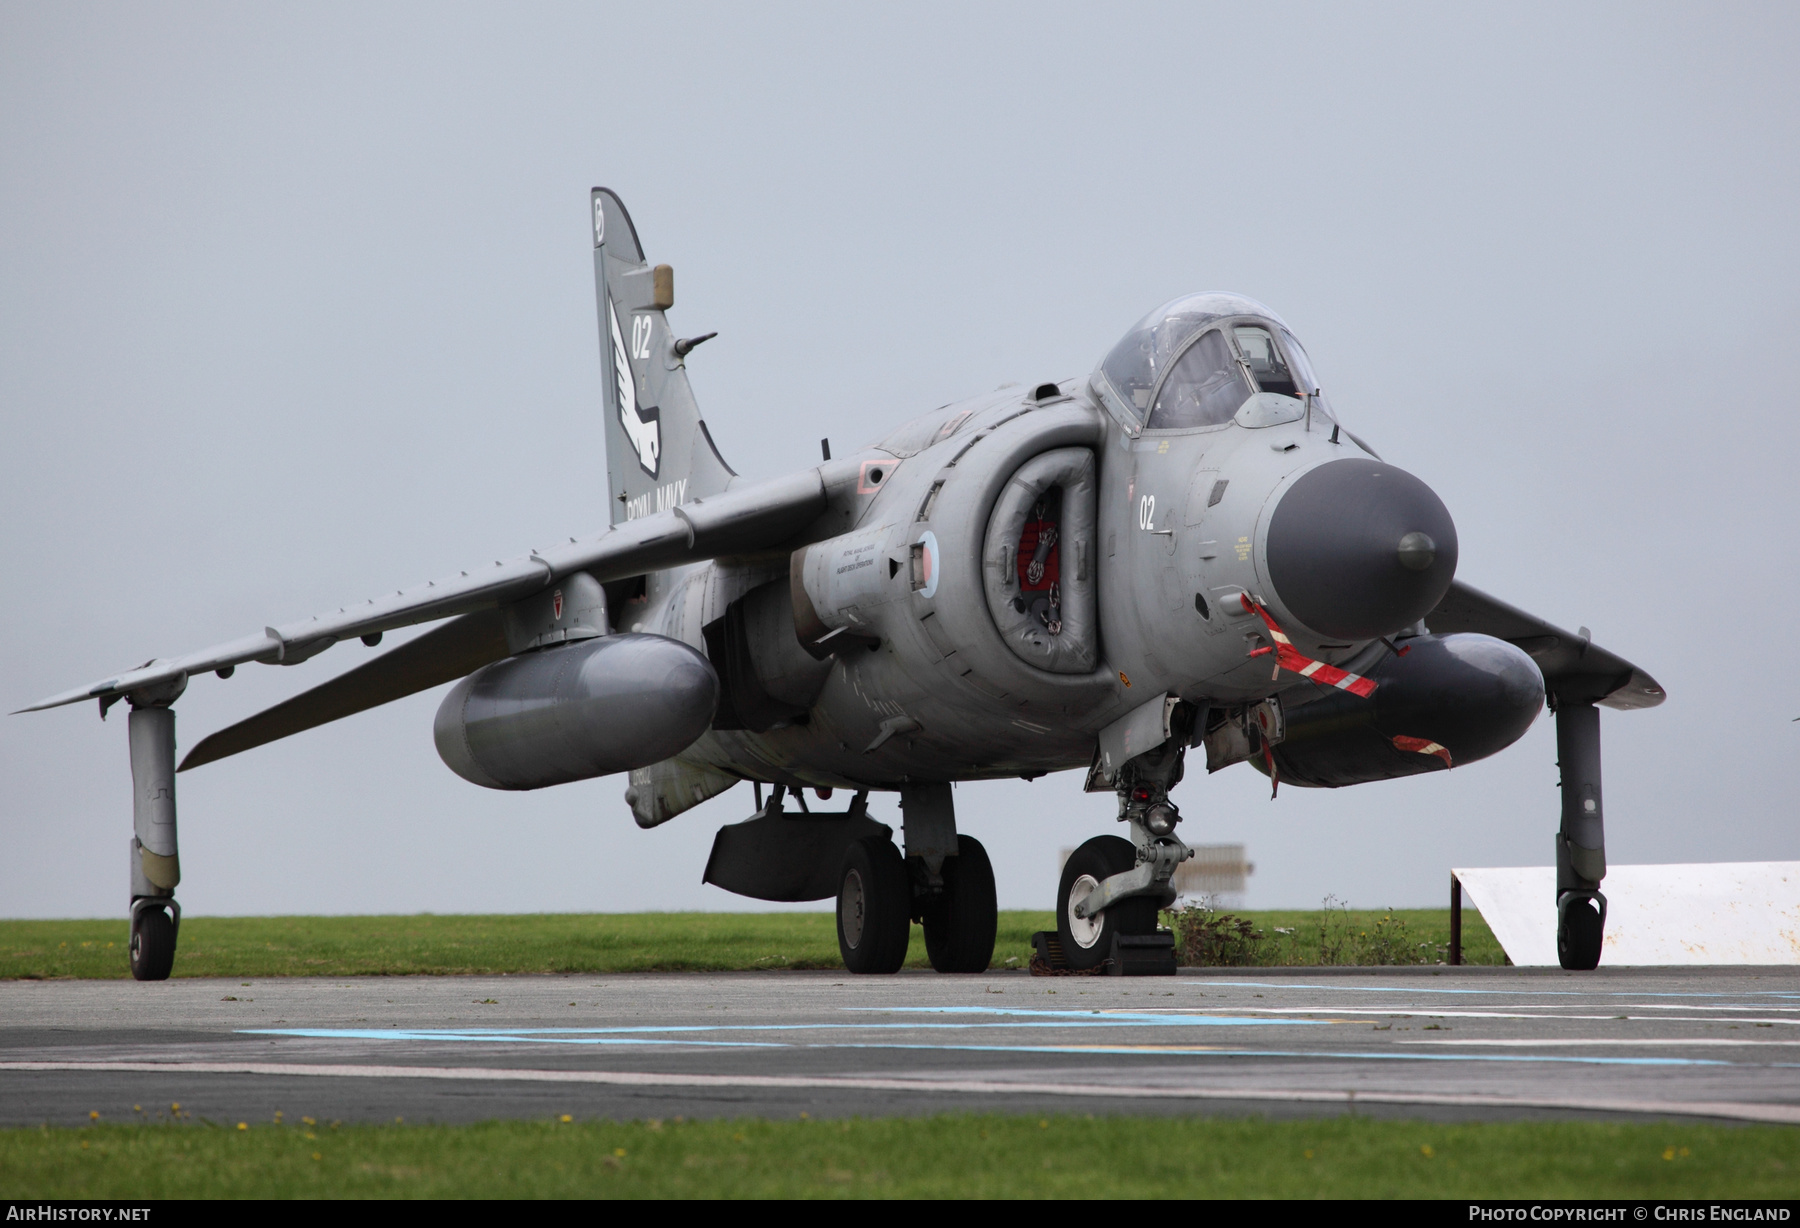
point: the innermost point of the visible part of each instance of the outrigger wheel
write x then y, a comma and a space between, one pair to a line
961, 921
152, 944
1087, 941
1580, 930
874, 906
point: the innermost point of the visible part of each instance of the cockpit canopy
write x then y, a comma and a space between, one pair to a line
1195, 361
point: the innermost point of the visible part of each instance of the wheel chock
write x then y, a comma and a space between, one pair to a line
1143, 954
1047, 954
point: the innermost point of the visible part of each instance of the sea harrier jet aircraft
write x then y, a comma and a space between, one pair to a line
1183, 551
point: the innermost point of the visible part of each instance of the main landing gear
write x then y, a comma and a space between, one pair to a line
943, 881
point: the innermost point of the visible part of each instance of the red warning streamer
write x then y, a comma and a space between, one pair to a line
1422, 746
1290, 658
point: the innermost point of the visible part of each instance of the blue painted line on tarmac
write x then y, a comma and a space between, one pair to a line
640, 1033
522, 1037
1173, 1050
1084, 1017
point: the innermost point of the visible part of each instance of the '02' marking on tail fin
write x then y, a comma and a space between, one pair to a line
641, 423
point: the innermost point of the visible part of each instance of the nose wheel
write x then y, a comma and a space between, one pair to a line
1087, 942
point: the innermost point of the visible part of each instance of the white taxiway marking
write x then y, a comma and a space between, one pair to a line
1734, 1110
1593, 996
1689, 1006
1400, 1012
1674, 1042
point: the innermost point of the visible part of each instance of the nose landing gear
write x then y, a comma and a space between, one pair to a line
1112, 889
1088, 936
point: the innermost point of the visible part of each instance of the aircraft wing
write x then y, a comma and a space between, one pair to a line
1574, 668
443, 654
745, 518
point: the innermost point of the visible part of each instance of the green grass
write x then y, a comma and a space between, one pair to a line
953, 1155
444, 945
571, 942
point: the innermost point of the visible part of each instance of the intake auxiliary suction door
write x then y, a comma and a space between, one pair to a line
1202, 549
1038, 562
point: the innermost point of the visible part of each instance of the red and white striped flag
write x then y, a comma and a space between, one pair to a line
1422, 746
1290, 658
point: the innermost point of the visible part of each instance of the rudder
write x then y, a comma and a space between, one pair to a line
658, 450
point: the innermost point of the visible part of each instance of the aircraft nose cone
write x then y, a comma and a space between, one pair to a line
1358, 548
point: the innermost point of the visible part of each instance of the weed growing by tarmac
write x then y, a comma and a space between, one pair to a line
1331, 935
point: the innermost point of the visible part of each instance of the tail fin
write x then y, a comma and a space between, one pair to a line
658, 450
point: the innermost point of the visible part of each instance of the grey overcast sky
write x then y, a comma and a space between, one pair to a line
298, 307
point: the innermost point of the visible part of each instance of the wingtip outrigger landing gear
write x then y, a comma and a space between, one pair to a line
153, 934
155, 856
1581, 841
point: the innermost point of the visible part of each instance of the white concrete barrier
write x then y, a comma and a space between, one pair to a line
1732, 912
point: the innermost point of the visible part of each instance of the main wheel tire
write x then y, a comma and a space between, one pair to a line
152, 945
1578, 936
874, 906
1087, 942
961, 923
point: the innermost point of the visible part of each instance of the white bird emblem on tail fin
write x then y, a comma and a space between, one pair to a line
641, 425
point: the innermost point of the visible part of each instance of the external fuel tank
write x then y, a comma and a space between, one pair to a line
576, 711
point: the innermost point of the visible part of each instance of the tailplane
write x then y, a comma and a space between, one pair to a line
658, 450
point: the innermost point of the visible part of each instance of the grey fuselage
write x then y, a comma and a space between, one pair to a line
1179, 514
